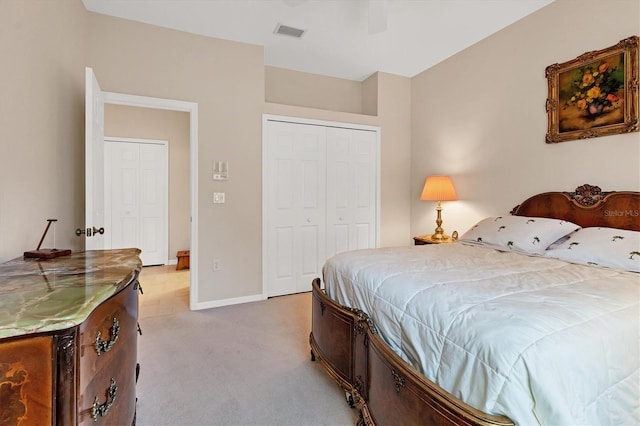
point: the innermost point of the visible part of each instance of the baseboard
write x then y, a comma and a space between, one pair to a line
226, 302
172, 262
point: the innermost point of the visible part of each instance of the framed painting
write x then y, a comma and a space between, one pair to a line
595, 94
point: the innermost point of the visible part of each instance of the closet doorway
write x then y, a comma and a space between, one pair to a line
320, 197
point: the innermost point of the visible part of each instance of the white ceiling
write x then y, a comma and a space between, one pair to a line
337, 42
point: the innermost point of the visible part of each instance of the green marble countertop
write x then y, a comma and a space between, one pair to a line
41, 295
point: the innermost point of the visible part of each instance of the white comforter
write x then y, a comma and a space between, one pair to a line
539, 340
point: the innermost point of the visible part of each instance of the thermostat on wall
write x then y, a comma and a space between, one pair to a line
220, 170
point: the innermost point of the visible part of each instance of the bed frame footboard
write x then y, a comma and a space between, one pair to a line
385, 389
337, 342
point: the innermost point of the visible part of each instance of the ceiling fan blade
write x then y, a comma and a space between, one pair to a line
378, 12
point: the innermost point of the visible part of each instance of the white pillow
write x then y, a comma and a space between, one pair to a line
610, 247
530, 235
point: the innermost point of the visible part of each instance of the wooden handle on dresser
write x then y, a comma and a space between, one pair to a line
101, 410
106, 345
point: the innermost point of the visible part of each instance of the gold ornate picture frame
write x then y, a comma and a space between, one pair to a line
595, 94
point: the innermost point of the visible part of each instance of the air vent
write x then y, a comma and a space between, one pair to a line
288, 31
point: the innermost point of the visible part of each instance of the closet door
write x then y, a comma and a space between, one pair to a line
295, 205
351, 190
122, 193
154, 204
136, 198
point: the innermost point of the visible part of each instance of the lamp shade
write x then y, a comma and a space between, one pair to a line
438, 188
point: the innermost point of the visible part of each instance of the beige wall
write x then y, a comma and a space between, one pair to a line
172, 126
42, 46
486, 126
226, 80
370, 95
288, 87
394, 112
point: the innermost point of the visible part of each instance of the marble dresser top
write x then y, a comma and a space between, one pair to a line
40, 295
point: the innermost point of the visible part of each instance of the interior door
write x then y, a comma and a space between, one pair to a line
154, 204
136, 197
320, 198
351, 190
94, 163
122, 194
295, 203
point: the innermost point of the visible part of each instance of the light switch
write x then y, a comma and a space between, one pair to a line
218, 197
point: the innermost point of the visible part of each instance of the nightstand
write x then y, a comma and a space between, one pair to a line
426, 239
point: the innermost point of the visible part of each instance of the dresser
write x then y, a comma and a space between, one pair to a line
68, 339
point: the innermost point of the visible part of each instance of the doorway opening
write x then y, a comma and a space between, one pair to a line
192, 109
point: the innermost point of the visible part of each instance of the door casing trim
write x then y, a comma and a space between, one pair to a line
192, 109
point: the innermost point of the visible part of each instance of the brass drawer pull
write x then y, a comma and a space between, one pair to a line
101, 410
106, 345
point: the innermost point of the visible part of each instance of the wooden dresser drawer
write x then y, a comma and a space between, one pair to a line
107, 365
110, 389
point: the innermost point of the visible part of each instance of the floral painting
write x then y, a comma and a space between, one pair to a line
595, 94
592, 95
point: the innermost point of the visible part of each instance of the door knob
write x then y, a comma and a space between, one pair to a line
90, 231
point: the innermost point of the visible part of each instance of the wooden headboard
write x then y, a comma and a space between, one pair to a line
587, 206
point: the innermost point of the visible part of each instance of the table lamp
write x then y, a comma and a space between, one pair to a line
438, 188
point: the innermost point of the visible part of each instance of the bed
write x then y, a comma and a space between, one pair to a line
486, 330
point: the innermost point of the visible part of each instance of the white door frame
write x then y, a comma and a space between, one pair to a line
164, 143
192, 109
298, 120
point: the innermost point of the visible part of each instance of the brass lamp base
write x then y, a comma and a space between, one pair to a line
439, 234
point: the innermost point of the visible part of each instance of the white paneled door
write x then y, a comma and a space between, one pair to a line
94, 163
136, 197
351, 190
320, 198
295, 204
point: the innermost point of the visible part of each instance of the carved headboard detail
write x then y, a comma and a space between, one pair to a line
588, 195
587, 206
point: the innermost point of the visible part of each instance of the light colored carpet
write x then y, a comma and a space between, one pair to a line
245, 364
